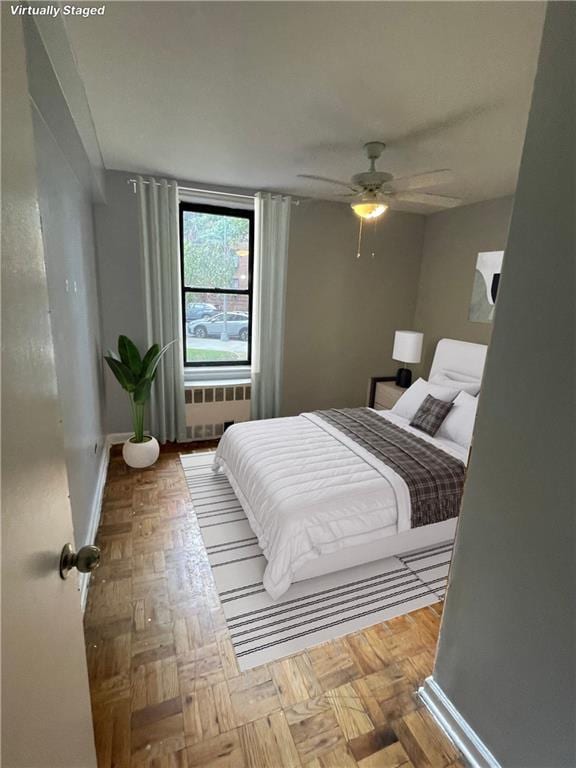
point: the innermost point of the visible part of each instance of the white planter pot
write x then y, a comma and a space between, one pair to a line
139, 455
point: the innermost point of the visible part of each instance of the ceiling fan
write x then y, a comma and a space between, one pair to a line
374, 191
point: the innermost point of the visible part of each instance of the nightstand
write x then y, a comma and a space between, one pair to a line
383, 393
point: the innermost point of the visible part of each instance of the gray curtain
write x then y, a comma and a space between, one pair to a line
158, 215
272, 222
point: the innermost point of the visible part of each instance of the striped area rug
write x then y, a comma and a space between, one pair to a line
312, 611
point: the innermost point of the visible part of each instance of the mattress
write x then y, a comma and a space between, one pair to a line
309, 490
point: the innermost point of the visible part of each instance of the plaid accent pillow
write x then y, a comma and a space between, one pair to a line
431, 414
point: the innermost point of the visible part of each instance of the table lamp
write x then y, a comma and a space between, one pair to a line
407, 349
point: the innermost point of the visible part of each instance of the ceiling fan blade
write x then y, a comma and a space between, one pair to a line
423, 198
420, 181
328, 181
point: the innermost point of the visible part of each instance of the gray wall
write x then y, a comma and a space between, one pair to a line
65, 190
341, 312
121, 285
452, 242
507, 646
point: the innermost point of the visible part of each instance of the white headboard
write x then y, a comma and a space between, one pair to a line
459, 357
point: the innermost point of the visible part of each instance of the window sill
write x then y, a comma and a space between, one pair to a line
217, 377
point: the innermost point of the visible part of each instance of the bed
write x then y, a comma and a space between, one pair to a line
320, 496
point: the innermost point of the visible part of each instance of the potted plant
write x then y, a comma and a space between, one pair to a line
136, 374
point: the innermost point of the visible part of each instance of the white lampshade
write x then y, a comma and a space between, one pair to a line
407, 346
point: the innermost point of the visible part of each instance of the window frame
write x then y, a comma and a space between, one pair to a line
222, 210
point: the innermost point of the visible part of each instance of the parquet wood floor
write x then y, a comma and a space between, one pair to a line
166, 689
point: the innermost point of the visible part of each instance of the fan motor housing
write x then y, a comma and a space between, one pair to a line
371, 179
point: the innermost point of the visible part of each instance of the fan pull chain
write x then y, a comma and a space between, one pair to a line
359, 239
372, 237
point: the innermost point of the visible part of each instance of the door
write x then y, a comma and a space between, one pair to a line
234, 322
46, 716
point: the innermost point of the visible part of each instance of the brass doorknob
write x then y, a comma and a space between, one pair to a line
85, 560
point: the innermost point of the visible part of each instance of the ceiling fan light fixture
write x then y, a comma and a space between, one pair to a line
369, 206
369, 210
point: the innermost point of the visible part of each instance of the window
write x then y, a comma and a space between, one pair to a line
216, 251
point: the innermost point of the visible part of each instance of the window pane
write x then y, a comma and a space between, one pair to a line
217, 328
216, 250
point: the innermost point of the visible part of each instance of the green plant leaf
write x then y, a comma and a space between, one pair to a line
142, 390
155, 360
129, 355
122, 372
148, 357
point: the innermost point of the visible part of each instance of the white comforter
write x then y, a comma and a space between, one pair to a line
308, 490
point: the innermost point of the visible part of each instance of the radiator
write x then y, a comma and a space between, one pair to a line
209, 410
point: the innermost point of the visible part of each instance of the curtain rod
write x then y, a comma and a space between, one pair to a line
204, 191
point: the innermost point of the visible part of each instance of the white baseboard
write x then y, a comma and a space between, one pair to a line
455, 726
95, 512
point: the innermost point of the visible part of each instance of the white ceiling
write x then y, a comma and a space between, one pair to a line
250, 94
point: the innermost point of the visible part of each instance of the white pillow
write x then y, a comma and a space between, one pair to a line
459, 376
447, 379
414, 396
459, 423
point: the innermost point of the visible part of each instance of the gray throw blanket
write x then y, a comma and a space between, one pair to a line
434, 478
